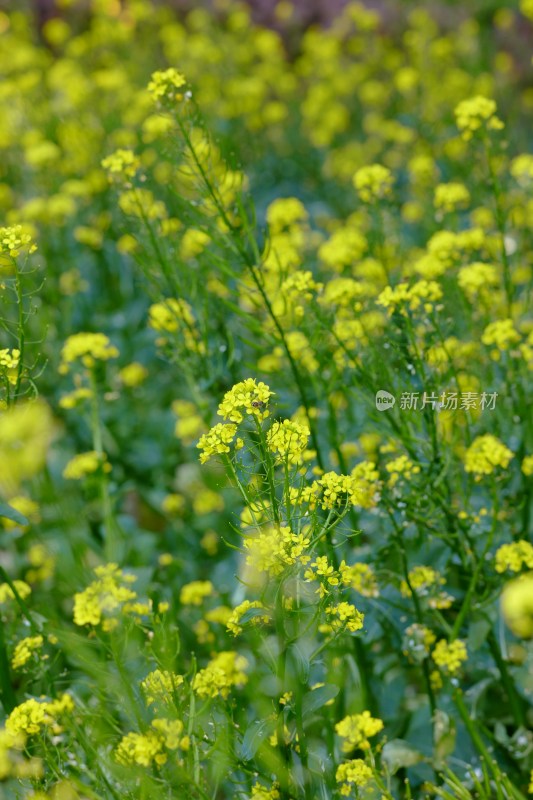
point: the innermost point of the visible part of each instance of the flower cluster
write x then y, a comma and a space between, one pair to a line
216, 441
344, 616
276, 547
420, 295
175, 316
501, 333
25, 649
167, 85
84, 464
451, 196
159, 686
260, 792
485, 454
122, 163
353, 773
288, 440
426, 583
25, 434
517, 605
12, 762
87, 348
475, 114
9, 361
150, 748
225, 670
248, 396
417, 642
105, 597
32, 716
450, 656
356, 729
373, 183
235, 622
194, 593
359, 577
476, 279
514, 556
13, 240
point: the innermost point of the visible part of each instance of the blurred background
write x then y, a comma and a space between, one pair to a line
283, 15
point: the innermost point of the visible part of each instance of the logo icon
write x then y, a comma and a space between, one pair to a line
384, 400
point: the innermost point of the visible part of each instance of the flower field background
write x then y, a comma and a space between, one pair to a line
266, 358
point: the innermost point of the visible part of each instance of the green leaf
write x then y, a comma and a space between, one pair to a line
444, 738
255, 736
398, 754
301, 662
319, 697
478, 631
12, 514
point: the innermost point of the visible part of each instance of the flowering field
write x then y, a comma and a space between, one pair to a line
266, 357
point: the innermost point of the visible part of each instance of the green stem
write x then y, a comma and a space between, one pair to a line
111, 529
517, 707
7, 693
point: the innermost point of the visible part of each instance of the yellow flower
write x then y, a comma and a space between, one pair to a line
501, 333
13, 240
142, 749
284, 213
170, 731
359, 577
475, 114
357, 729
239, 611
420, 294
527, 465
344, 247
167, 85
122, 163
345, 615
288, 440
25, 433
24, 650
476, 278
248, 396
194, 594
133, 374
451, 196
260, 792
160, 686
514, 556
85, 464
7, 593
87, 348
28, 508
225, 670
104, 597
31, 716
9, 362
426, 582
449, 656
517, 605
275, 548
216, 441
353, 773
373, 183
485, 454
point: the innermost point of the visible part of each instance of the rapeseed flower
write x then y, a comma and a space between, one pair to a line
354, 773
450, 656
356, 730
485, 455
